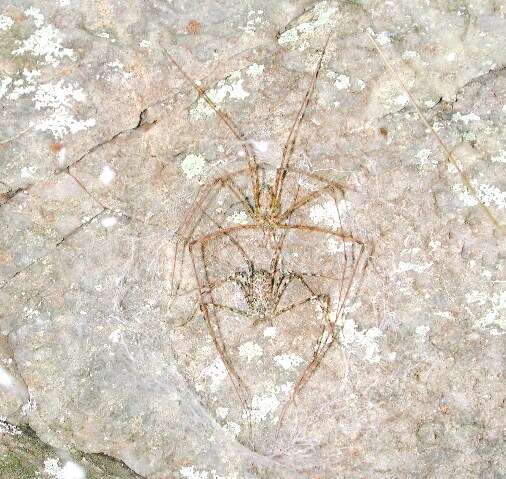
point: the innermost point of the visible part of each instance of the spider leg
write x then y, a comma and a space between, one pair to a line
232, 240
326, 186
189, 225
284, 284
305, 200
232, 127
293, 305
323, 344
353, 259
206, 299
231, 309
292, 136
194, 217
277, 255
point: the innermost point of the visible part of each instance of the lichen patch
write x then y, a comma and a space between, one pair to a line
365, 339
288, 361
5, 22
45, 43
311, 21
250, 350
193, 166
232, 88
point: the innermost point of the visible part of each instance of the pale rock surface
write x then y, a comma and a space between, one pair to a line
95, 126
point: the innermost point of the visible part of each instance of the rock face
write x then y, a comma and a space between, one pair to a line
391, 363
24, 456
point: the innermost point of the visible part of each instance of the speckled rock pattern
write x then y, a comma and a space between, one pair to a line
24, 456
104, 145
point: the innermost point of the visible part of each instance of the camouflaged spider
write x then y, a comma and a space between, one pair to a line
262, 271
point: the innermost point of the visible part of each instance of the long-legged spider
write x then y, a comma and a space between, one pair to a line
277, 266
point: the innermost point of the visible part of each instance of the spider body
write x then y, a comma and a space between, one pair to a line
261, 290
262, 271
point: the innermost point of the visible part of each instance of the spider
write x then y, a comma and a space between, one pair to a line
259, 272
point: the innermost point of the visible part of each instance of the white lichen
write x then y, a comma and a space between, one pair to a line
4, 85
29, 406
109, 221
107, 175
6, 428
366, 339
421, 332
70, 469
321, 14
20, 90
217, 373
263, 406
239, 218
466, 119
253, 21
117, 69
28, 172
475, 296
190, 472
57, 95
231, 88
495, 314
400, 100
255, 69
270, 332
341, 81
250, 350
288, 361
222, 412
405, 266
384, 37
193, 165
232, 428
46, 43
54, 99
6, 380
499, 158
489, 195
61, 123
5, 22
37, 16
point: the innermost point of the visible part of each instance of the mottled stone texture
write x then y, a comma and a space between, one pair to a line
24, 456
103, 146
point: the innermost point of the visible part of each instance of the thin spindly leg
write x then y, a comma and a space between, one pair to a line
205, 298
236, 243
323, 344
189, 224
305, 200
328, 186
292, 136
238, 311
294, 305
232, 127
212, 320
194, 217
354, 261
347, 257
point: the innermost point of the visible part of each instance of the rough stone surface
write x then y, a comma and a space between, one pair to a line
103, 146
24, 456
